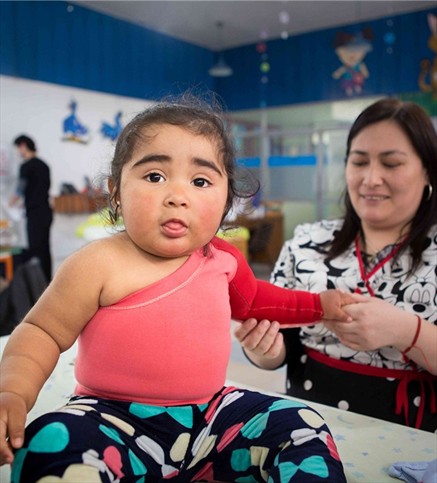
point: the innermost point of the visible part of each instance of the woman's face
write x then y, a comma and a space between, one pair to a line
385, 177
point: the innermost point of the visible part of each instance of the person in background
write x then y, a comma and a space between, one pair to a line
34, 185
384, 362
151, 307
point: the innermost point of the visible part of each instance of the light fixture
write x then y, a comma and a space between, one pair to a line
220, 68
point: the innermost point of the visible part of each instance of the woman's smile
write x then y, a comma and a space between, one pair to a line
374, 198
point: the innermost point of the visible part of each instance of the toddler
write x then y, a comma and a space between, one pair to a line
151, 308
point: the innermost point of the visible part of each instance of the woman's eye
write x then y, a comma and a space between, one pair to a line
358, 162
391, 165
154, 178
201, 182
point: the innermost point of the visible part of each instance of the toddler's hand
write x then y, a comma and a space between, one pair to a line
262, 338
12, 421
332, 302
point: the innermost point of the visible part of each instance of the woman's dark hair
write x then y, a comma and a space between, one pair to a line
417, 126
27, 141
196, 115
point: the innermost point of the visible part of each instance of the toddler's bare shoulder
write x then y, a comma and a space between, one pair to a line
91, 257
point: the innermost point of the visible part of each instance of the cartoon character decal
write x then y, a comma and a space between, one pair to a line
351, 50
428, 71
73, 129
112, 131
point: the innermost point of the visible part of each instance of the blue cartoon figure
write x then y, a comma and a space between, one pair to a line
112, 131
73, 129
351, 50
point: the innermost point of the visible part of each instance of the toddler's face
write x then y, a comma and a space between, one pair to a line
173, 192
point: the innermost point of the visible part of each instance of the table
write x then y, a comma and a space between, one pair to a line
367, 446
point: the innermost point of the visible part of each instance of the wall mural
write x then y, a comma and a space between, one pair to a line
111, 131
77, 132
351, 50
428, 70
73, 129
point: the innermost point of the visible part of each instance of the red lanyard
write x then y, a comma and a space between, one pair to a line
366, 276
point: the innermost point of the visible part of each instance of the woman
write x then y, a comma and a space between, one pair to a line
384, 362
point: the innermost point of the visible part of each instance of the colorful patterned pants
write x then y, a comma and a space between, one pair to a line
239, 436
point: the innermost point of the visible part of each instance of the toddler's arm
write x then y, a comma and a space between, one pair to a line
250, 297
28, 360
263, 300
33, 349
332, 303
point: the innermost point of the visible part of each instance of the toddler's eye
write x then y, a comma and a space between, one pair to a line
201, 183
154, 178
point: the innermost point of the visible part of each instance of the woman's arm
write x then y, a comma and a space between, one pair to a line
424, 351
377, 323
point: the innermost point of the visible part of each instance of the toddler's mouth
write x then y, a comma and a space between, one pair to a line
174, 228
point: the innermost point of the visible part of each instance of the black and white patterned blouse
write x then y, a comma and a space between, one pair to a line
302, 265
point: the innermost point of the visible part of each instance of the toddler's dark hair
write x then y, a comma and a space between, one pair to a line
199, 117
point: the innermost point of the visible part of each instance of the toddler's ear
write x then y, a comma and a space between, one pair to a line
112, 190
111, 185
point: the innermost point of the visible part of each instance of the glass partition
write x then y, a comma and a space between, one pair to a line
297, 153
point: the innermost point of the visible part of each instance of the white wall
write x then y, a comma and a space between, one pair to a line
38, 110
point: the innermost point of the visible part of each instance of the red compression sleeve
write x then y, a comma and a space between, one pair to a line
250, 297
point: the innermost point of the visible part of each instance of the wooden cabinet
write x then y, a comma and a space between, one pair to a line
79, 203
266, 236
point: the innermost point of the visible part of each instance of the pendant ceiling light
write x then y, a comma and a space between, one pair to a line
220, 68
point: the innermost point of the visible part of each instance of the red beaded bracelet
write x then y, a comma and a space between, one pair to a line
416, 336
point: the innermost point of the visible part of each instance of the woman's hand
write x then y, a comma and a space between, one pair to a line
262, 342
13, 414
377, 323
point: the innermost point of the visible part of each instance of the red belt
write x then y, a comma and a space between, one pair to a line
404, 377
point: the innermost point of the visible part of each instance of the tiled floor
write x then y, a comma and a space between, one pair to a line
65, 241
